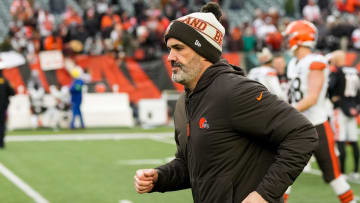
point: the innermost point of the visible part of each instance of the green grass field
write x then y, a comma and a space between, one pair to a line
101, 171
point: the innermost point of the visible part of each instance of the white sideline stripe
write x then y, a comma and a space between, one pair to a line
319, 173
142, 161
163, 139
313, 171
82, 137
125, 201
22, 185
145, 161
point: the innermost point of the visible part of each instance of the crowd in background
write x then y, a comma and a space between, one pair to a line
106, 27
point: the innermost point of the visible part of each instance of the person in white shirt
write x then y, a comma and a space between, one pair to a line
279, 64
266, 74
344, 92
308, 79
311, 11
355, 38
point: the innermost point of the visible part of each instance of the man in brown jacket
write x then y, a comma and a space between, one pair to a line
236, 142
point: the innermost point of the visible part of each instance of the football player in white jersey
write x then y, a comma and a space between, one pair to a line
308, 82
344, 92
266, 74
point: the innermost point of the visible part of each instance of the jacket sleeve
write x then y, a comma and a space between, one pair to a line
266, 119
173, 175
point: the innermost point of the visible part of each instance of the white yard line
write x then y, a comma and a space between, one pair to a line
319, 173
145, 161
163, 139
83, 137
125, 201
22, 185
142, 161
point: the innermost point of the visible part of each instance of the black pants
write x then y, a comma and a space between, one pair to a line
342, 150
2, 128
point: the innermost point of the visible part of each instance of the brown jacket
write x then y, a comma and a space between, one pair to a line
234, 137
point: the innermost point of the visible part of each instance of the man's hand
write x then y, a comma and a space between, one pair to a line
254, 197
144, 180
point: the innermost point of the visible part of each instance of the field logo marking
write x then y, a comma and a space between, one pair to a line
22, 185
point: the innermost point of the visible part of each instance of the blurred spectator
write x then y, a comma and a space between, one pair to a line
326, 40
62, 96
85, 76
34, 80
351, 5
344, 86
156, 25
355, 37
5, 92
71, 17
274, 41
259, 19
91, 22
21, 37
100, 87
146, 44
170, 9
76, 97
36, 93
101, 6
46, 23
235, 42
108, 21
266, 73
122, 41
273, 13
342, 30
77, 34
249, 40
53, 41
57, 7
128, 22
21, 10
263, 30
34, 44
279, 64
311, 11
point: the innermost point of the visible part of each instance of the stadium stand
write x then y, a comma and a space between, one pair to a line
129, 55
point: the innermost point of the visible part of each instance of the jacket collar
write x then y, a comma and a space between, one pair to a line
218, 68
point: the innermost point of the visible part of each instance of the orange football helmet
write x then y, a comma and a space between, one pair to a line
301, 33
